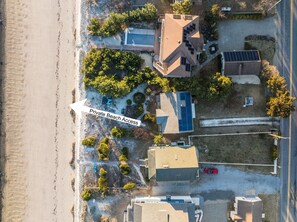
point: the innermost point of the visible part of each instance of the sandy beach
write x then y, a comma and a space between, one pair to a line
39, 131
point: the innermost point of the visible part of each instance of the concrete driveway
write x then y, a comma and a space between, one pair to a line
228, 179
233, 32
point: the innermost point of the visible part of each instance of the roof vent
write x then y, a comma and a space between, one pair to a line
177, 16
188, 17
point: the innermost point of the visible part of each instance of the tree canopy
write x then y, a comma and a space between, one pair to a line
280, 102
211, 87
182, 7
115, 73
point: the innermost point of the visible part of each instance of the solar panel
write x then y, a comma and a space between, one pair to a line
251, 55
186, 121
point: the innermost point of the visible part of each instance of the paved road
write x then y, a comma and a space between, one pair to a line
287, 64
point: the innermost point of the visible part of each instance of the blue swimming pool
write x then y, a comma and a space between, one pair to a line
140, 39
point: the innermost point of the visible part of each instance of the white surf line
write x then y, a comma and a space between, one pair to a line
79, 107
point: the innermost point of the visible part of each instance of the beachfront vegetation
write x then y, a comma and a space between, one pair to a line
102, 181
129, 186
125, 168
89, 141
94, 26
158, 139
86, 194
138, 98
115, 73
129, 102
211, 87
118, 22
280, 103
117, 132
150, 118
125, 154
103, 149
182, 7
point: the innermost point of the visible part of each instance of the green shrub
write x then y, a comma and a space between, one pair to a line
104, 140
182, 7
102, 181
138, 98
129, 102
103, 149
94, 26
103, 70
125, 151
117, 132
129, 186
148, 91
89, 141
138, 110
150, 118
86, 194
158, 139
274, 152
117, 22
125, 168
123, 158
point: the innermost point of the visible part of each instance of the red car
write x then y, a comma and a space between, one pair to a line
209, 170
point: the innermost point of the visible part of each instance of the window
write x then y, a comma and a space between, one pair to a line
188, 67
183, 60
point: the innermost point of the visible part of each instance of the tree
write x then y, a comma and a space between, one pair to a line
275, 83
158, 139
183, 7
215, 10
86, 194
129, 186
89, 141
268, 70
102, 181
219, 86
281, 105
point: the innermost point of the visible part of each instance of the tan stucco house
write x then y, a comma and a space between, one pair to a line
180, 45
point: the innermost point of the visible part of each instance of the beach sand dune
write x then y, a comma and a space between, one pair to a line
39, 78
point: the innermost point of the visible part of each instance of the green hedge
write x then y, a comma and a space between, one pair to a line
117, 22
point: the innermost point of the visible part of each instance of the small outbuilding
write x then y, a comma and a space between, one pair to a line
246, 62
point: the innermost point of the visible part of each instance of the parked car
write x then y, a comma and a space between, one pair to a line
209, 170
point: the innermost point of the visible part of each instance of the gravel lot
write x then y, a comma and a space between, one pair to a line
232, 32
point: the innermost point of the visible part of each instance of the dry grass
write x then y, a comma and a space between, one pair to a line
266, 48
271, 206
233, 105
236, 149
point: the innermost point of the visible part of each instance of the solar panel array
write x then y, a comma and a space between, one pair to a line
186, 121
251, 55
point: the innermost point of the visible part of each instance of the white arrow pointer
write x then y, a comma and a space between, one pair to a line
79, 107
